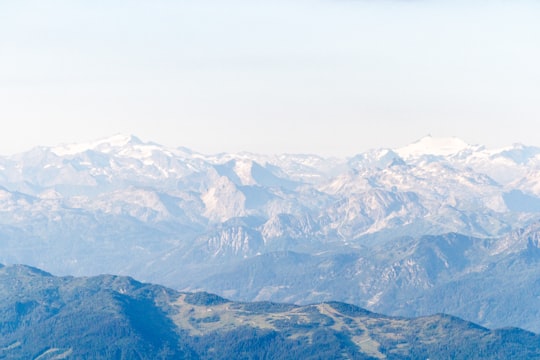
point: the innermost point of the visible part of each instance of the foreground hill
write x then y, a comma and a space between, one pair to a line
103, 317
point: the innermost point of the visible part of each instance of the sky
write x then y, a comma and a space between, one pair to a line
333, 77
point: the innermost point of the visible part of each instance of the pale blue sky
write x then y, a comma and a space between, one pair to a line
320, 76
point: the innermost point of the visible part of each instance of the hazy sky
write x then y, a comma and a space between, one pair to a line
318, 76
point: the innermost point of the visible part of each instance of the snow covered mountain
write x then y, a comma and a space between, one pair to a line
362, 229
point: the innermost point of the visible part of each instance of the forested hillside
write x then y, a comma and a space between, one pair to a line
105, 317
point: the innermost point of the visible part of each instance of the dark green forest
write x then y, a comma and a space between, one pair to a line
111, 317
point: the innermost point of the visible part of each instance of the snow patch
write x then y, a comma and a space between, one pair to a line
104, 145
429, 145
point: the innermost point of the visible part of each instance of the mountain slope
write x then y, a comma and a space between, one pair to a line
47, 317
393, 230
478, 279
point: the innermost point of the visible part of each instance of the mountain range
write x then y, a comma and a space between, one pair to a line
435, 226
110, 317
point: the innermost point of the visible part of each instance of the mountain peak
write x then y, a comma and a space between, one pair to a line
121, 140
429, 145
105, 144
